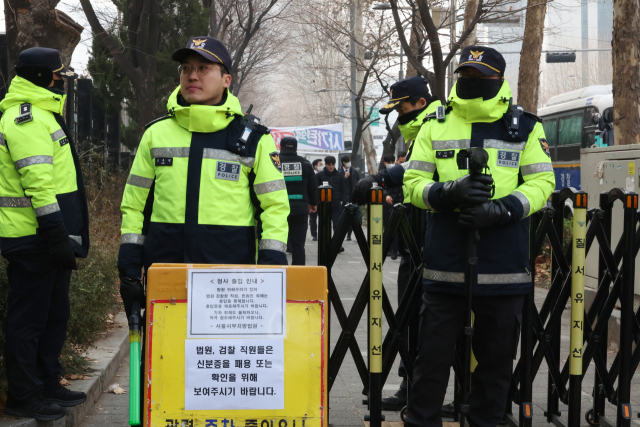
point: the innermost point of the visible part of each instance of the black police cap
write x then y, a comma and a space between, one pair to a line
208, 47
288, 142
485, 59
46, 58
404, 89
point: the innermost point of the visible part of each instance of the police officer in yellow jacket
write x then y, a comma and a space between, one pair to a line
479, 113
44, 225
188, 197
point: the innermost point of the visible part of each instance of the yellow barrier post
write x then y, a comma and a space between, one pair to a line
376, 231
577, 307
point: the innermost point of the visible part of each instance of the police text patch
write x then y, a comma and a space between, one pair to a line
164, 161
292, 169
510, 159
545, 146
228, 171
449, 154
64, 141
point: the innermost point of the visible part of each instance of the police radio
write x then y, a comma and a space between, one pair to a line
250, 122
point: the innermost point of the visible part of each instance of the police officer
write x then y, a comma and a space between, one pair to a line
302, 189
44, 225
338, 182
313, 216
188, 197
479, 114
413, 102
352, 176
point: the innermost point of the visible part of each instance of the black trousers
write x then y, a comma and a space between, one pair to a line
359, 216
297, 236
404, 274
36, 327
313, 224
336, 213
497, 320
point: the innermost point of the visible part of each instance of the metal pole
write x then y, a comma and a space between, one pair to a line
452, 29
626, 311
577, 308
376, 230
354, 84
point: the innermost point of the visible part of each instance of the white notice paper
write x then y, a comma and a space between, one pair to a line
234, 374
237, 303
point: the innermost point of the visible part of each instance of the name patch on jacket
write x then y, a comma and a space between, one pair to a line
449, 154
164, 161
25, 114
64, 141
510, 159
275, 159
292, 169
228, 171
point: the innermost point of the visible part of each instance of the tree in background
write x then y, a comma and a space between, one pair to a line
253, 34
131, 62
32, 23
529, 72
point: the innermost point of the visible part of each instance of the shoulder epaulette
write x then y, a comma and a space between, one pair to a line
153, 122
533, 116
25, 114
429, 117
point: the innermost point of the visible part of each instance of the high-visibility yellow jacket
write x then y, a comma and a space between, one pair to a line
521, 168
188, 197
40, 178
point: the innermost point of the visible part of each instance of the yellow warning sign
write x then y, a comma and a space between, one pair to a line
632, 168
304, 350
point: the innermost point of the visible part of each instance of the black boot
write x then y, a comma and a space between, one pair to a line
63, 396
447, 410
398, 400
37, 407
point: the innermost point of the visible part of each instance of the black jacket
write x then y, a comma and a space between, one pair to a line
338, 182
300, 178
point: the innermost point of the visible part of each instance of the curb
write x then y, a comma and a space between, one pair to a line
109, 353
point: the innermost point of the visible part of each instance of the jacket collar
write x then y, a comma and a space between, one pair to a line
479, 111
288, 152
203, 118
22, 91
411, 129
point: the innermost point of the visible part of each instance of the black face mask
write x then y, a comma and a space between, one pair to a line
478, 88
58, 84
407, 117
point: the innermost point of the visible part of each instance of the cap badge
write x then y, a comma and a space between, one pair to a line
476, 56
68, 73
198, 42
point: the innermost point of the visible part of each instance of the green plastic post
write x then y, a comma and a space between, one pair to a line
134, 378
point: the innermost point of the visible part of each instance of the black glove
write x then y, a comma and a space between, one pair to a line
360, 193
489, 214
131, 290
61, 250
468, 190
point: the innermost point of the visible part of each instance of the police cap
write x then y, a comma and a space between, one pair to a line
404, 89
208, 47
485, 59
46, 58
288, 143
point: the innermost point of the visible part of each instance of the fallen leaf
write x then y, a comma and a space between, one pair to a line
116, 389
64, 382
74, 376
86, 377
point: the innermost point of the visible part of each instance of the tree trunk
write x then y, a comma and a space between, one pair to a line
389, 143
414, 44
529, 73
469, 14
369, 151
31, 23
626, 72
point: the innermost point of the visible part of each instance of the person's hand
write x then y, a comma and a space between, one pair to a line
489, 214
346, 174
131, 290
389, 200
61, 252
313, 209
468, 190
360, 194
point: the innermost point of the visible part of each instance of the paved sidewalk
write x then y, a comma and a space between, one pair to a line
112, 409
